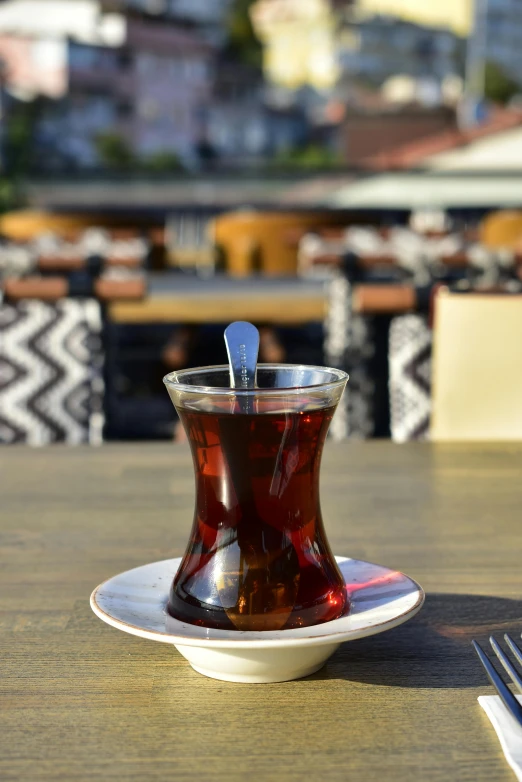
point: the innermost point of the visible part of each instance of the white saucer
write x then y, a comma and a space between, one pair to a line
135, 602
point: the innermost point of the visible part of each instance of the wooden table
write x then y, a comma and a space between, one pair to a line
175, 298
82, 701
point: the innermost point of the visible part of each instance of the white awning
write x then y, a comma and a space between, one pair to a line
416, 191
502, 151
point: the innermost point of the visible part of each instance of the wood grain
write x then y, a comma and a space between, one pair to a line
82, 701
220, 308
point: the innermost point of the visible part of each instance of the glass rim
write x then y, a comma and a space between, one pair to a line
171, 381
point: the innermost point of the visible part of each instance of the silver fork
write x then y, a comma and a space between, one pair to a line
503, 690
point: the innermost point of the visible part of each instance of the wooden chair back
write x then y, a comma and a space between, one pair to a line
502, 230
266, 242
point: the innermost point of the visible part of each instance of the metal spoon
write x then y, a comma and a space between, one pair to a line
242, 341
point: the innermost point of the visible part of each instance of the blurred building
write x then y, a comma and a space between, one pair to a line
129, 82
503, 35
299, 39
335, 46
454, 15
200, 11
374, 48
34, 36
237, 126
250, 122
146, 83
496, 24
208, 17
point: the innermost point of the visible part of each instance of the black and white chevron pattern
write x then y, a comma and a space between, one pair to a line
51, 372
410, 377
348, 345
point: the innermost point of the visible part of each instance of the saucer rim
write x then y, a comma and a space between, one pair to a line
332, 637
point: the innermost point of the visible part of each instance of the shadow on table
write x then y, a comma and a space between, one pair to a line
434, 649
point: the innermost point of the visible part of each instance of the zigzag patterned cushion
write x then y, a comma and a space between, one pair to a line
348, 345
51, 372
410, 378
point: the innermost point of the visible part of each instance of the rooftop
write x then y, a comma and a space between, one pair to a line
419, 152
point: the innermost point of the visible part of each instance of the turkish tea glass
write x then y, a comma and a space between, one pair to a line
258, 557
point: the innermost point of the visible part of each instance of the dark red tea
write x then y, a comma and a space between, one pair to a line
258, 558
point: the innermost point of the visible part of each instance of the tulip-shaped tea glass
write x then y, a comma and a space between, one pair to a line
258, 557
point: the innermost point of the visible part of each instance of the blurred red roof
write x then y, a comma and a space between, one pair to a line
413, 153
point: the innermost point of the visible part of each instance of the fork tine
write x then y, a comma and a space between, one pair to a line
506, 664
503, 690
514, 647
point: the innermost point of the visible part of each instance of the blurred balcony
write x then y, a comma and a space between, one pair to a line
117, 82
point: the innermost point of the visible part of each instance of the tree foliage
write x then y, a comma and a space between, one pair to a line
21, 121
162, 162
309, 156
498, 87
17, 156
243, 43
114, 151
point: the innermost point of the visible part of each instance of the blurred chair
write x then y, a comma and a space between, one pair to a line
409, 376
502, 230
51, 366
25, 225
240, 243
98, 262
53, 285
189, 243
476, 367
266, 242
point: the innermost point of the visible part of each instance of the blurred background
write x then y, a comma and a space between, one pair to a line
324, 168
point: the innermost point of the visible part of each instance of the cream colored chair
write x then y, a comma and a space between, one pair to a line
477, 368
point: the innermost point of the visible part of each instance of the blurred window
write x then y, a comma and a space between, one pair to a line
196, 69
445, 43
125, 109
146, 64
125, 58
149, 109
255, 137
90, 112
179, 117
85, 57
176, 68
200, 10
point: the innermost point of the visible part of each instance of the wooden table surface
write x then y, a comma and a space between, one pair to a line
82, 701
222, 299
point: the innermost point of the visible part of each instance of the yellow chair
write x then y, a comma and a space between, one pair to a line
502, 230
477, 367
266, 242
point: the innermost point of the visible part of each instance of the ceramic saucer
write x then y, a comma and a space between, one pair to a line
135, 602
